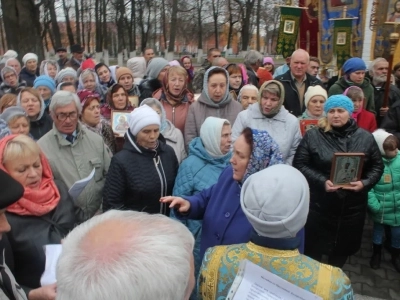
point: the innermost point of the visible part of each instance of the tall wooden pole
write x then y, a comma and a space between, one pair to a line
393, 38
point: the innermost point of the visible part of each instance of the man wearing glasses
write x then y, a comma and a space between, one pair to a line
73, 152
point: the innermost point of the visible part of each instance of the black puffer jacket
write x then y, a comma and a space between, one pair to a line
394, 95
40, 127
139, 177
29, 234
336, 220
292, 100
391, 121
147, 87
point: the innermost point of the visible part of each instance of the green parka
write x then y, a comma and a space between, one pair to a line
384, 198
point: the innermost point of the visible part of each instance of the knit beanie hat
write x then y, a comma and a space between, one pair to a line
66, 72
10, 54
314, 91
47, 81
11, 112
380, 135
88, 64
276, 201
353, 65
141, 117
29, 56
339, 101
268, 60
155, 66
84, 95
210, 134
174, 63
123, 71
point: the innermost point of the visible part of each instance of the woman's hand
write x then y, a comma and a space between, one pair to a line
178, 203
329, 187
356, 186
47, 292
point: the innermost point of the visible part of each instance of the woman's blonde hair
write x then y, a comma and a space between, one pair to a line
16, 118
6, 101
324, 124
177, 70
21, 146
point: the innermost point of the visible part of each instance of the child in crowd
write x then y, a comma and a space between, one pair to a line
384, 200
364, 118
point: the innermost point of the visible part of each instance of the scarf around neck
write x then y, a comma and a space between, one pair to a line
34, 202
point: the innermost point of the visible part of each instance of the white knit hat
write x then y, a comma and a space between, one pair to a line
141, 117
10, 54
314, 91
276, 201
29, 56
380, 135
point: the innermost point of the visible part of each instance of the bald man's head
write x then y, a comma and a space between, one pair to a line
299, 62
220, 62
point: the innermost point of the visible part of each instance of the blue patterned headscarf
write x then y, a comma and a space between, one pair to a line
265, 153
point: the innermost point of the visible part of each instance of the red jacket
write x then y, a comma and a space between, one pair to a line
366, 120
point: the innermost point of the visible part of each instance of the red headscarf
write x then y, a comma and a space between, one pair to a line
34, 202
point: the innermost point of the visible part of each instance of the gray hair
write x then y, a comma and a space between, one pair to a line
252, 57
64, 98
301, 52
247, 87
152, 259
11, 59
371, 67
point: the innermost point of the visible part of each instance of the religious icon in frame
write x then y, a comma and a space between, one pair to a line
289, 26
346, 168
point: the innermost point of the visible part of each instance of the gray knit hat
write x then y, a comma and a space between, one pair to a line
66, 72
155, 66
11, 112
276, 201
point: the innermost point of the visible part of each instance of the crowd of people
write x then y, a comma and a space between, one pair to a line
193, 171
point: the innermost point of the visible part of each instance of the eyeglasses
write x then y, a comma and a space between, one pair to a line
64, 116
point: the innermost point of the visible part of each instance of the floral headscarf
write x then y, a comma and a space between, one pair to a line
265, 153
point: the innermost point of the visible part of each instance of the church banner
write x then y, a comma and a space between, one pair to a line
332, 9
288, 30
342, 40
309, 26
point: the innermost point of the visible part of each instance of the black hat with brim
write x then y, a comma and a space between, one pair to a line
10, 190
76, 48
61, 49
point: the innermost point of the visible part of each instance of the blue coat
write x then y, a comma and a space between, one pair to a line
224, 222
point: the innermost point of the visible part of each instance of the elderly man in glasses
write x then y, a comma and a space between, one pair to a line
74, 152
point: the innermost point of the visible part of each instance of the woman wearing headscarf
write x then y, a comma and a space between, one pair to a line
46, 87
104, 74
270, 115
186, 63
144, 170
49, 68
117, 99
266, 72
354, 75
138, 67
173, 136
91, 118
214, 101
174, 96
88, 80
224, 222
17, 121
209, 155
41, 122
44, 214
67, 75
248, 95
336, 219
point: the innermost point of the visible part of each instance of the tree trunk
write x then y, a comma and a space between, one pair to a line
89, 25
70, 34
174, 24
215, 6
199, 24
105, 35
2, 35
77, 22
97, 13
82, 35
54, 24
132, 36
246, 24
22, 26
164, 24
258, 21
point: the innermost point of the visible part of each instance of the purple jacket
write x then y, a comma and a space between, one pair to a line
224, 222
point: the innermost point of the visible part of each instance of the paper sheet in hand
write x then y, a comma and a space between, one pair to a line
52, 254
255, 283
78, 187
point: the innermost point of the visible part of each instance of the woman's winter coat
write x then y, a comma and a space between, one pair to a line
174, 138
336, 220
384, 198
139, 177
29, 234
42, 126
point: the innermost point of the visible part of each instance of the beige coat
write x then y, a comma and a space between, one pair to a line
73, 162
174, 138
201, 109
